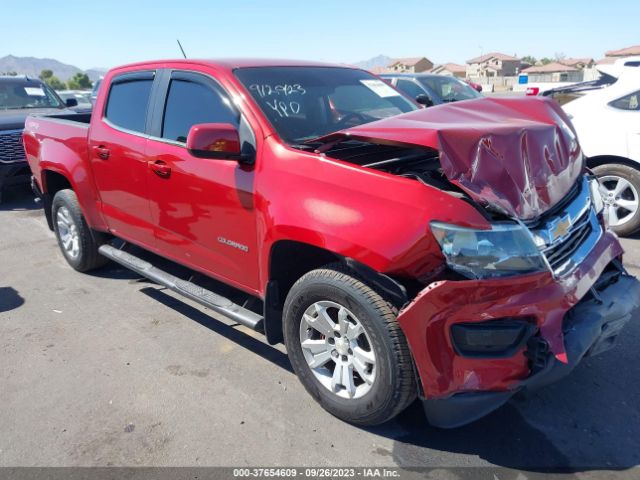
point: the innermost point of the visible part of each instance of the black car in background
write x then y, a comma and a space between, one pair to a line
430, 89
21, 96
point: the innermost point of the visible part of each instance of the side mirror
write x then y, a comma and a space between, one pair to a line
71, 102
214, 140
424, 99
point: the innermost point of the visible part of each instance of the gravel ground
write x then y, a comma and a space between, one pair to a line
109, 369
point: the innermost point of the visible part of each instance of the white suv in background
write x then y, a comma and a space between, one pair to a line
606, 115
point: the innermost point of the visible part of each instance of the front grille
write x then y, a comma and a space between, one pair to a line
559, 253
11, 149
567, 234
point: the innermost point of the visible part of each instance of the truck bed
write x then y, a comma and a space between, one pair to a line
59, 143
69, 117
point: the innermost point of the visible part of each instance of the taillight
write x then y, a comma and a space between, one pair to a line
533, 91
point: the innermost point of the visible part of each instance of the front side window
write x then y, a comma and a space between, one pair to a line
190, 103
303, 103
410, 88
128, 102
449, 89
628, 102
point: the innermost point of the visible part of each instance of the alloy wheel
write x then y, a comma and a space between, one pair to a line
68, 232
620, 199
337, 349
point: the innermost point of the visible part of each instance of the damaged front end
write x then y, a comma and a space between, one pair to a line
531, 295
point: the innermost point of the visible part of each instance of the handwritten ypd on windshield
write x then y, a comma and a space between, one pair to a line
281, 97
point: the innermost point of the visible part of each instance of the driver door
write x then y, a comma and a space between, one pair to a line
203, 209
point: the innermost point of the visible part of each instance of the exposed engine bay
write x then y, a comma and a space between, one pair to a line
422, 164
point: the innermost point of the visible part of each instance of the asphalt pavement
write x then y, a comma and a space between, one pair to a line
110, 369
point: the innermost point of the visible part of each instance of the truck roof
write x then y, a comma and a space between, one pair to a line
233, 63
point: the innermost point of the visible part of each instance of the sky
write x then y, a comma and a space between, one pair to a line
106, 33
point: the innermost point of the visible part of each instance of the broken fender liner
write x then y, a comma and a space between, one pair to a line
517, 155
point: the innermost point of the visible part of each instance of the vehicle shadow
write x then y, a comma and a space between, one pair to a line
10, 299
587, 421
19, 197
502, 438
229, 332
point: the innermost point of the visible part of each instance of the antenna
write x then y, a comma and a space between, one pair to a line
181, 49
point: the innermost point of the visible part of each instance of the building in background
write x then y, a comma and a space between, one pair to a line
451, 69
579, 63
494, 64
410, 65
612, 55
553, 72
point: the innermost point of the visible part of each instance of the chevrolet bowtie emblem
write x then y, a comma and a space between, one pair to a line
560, 228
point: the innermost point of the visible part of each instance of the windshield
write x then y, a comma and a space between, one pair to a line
303, 103
449, 89
16, 94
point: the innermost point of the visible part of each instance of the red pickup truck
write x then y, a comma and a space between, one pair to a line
457, 253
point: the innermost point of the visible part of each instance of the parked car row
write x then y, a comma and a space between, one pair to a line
457, 254
21, 96
429, 89
82, 97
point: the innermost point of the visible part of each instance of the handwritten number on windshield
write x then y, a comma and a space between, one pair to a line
280, 97
283, 89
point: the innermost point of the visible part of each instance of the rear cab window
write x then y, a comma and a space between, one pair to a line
128, 101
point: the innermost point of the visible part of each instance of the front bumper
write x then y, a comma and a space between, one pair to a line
16, 173
591, 327
572, 323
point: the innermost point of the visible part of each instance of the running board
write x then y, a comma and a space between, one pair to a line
190, 290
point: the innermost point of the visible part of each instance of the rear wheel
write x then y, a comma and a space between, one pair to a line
78, 243
621, 194
347, 348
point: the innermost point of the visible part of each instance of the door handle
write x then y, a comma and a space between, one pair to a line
102, 152
160, 168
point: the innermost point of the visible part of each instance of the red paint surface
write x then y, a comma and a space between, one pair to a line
214, 137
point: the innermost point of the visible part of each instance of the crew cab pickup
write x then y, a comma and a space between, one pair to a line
457, 254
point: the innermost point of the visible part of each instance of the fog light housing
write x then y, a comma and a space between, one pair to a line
491, 339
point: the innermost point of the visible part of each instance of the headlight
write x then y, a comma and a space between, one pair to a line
505, 249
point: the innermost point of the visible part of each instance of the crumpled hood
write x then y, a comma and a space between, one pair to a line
517, 155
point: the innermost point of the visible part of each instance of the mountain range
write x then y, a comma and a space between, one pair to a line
377, 61
32, 67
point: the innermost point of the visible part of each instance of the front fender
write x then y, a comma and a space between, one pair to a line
375, 218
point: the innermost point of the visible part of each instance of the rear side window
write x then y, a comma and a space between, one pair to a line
128, 102
190, 103
628, 102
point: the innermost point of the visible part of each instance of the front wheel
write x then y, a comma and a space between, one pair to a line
78, 243
347, 348
621, 189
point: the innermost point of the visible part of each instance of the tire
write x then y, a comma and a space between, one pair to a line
78, 243
622, 220
337, 291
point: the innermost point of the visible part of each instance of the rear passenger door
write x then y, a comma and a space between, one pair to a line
117, 146
202, 208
